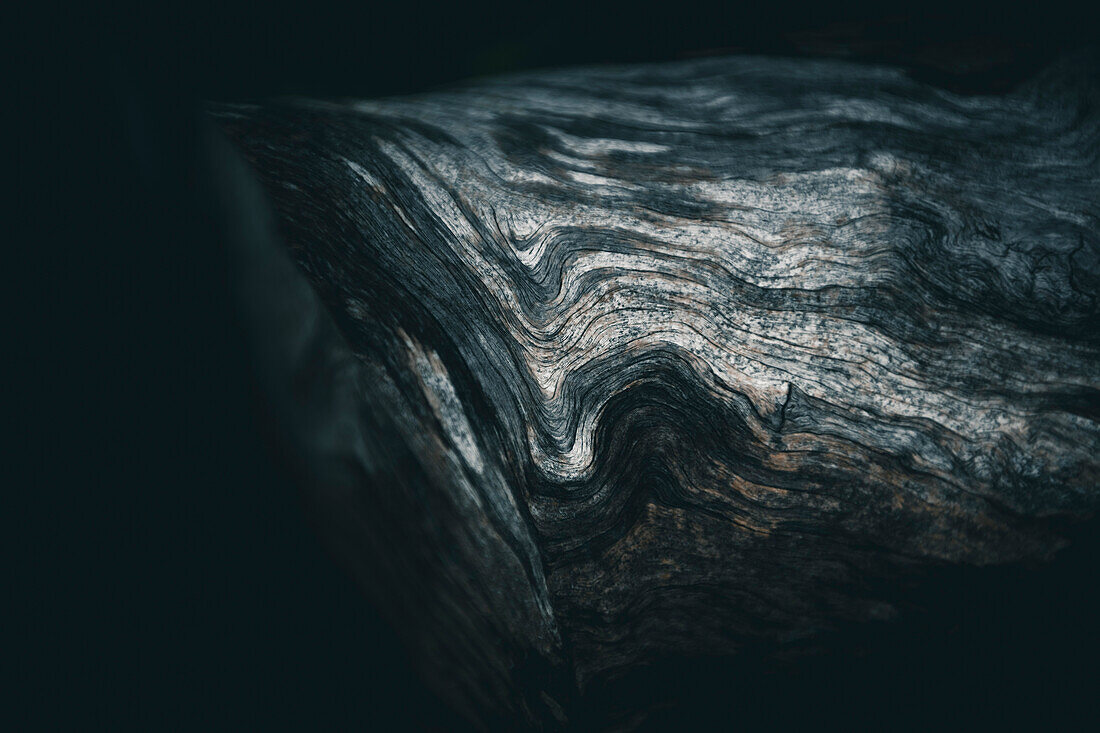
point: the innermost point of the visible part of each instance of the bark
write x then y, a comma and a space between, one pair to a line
605, 367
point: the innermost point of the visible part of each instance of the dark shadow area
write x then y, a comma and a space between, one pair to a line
997, 647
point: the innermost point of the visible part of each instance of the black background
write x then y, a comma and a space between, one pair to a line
168, 576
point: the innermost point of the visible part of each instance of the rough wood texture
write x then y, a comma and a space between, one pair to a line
633, 363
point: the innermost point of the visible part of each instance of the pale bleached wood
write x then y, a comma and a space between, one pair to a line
668, 360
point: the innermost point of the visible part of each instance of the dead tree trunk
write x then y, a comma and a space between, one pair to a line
602, 367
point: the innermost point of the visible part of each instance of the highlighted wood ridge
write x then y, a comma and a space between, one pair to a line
631, 363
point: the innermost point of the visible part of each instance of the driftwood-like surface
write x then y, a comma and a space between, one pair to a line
615, 365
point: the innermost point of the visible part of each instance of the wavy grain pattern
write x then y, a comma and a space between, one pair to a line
638, 362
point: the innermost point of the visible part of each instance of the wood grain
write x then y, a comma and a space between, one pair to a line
612, 365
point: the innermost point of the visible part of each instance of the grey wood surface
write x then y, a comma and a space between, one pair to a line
597, 367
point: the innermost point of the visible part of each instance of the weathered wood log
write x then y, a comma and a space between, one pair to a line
608, 366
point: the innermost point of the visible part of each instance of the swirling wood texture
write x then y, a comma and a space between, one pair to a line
608, 366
